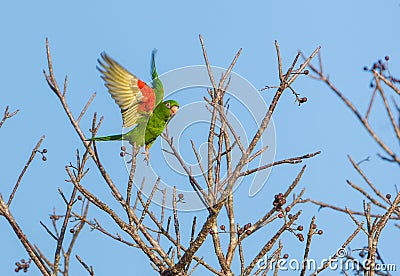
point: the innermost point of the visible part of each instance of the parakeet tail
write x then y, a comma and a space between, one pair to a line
107, 138
153, 72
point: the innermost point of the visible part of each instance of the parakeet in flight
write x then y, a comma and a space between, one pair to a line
140, 104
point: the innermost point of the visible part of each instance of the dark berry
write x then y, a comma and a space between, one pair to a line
248, 232
44, 158
320, 232
365, 68
123, 148
181, 196
303, 100
300, 227
79, 197
122, 154
314, 226
388, 196
44, 150
72, 230
280, 215
286, 256
211, 232
222, 227
386, 58
247, 226
290, 216
287, 209
306, 72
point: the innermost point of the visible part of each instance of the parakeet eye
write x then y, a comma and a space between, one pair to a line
168, 105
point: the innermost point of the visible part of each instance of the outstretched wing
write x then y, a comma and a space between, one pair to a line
134, 97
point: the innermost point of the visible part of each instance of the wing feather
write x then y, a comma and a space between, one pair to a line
124, 89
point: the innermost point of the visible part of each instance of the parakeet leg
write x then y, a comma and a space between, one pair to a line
147, 155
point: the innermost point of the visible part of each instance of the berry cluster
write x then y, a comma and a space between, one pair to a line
300, 235
42, 152
379, 65
123, 151
279, 201
299, 99
319, 232
382, 67
300, 228
22, 265
245, 229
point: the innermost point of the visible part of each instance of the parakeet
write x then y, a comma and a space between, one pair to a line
140, 104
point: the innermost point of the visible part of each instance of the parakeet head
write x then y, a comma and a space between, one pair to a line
167, 109
173, 107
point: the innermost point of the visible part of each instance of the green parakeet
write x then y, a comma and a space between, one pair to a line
140, 104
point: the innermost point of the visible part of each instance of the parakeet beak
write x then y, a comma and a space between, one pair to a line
173, 110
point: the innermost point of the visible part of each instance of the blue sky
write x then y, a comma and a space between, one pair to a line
351, 34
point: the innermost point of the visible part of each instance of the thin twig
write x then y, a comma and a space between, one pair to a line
86, 106
308, 244
176, 224
89, 269
57, 254
34, 151
293, 160
7, 115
